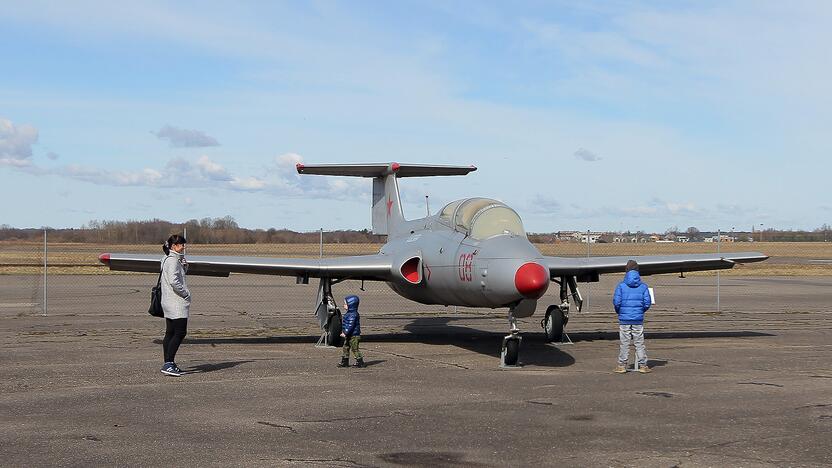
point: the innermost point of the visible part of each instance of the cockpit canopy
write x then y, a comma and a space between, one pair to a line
481, 218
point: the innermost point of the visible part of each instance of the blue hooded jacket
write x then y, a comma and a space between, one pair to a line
631, 299
351, 321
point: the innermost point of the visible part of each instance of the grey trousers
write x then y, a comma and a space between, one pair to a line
634, 334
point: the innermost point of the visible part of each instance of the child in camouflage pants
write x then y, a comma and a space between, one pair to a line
351, 332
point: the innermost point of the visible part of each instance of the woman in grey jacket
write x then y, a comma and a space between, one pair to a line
176, 301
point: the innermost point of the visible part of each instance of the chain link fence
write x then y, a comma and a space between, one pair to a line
67, 279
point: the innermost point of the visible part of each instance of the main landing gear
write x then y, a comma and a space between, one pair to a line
556, 318
557, 315
329, 316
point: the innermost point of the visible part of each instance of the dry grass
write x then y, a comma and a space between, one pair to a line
788, 258
773, 249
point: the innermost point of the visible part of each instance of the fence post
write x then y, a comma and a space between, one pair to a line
45, 288
588, 254
718, 239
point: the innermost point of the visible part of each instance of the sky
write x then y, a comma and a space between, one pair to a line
605, 115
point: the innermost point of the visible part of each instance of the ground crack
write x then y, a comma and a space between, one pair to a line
656, 394
265, 423
819, 405
427, 360
326, 461
696, 362
760, 383
354, 418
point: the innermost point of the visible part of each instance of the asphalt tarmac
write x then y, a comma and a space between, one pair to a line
750, 386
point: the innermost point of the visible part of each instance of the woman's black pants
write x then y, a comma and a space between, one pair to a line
175, 332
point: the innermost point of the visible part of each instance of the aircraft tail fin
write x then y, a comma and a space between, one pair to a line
387, 208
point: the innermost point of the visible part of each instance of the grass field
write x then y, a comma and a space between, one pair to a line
787, 258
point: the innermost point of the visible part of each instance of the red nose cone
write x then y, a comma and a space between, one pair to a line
531, 280
104, 258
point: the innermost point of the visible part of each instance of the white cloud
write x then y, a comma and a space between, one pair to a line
279, 179
204, 173
183, 138
288, 160
653, 209
177, 173
144, 177
16, 143
211, 170
313, 186
247, 183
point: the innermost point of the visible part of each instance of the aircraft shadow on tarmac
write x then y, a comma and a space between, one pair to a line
439, 331
202, 368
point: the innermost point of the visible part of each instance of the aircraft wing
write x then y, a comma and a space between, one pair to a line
648, 264
366, 267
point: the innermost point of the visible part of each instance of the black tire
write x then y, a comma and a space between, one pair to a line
334, 331
553, 324
512, 352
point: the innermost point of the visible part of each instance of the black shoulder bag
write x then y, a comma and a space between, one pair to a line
156, 296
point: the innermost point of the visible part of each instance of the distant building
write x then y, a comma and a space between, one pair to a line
579, 236
720, 238
591, 237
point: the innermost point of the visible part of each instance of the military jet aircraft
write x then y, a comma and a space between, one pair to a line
472, 253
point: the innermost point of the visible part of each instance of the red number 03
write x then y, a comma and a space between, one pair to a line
466, 266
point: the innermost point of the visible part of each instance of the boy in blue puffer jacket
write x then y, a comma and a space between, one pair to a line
351, 332
631, 300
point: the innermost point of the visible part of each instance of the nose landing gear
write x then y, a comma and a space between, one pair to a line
510, 353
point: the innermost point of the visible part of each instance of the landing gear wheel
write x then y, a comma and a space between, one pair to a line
553, 323
511, 352
333, 331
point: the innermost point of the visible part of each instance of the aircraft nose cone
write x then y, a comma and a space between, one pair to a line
531, 280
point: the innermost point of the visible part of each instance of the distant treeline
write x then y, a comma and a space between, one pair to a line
227, 231
203, 231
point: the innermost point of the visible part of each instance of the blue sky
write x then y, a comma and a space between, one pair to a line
580, 115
